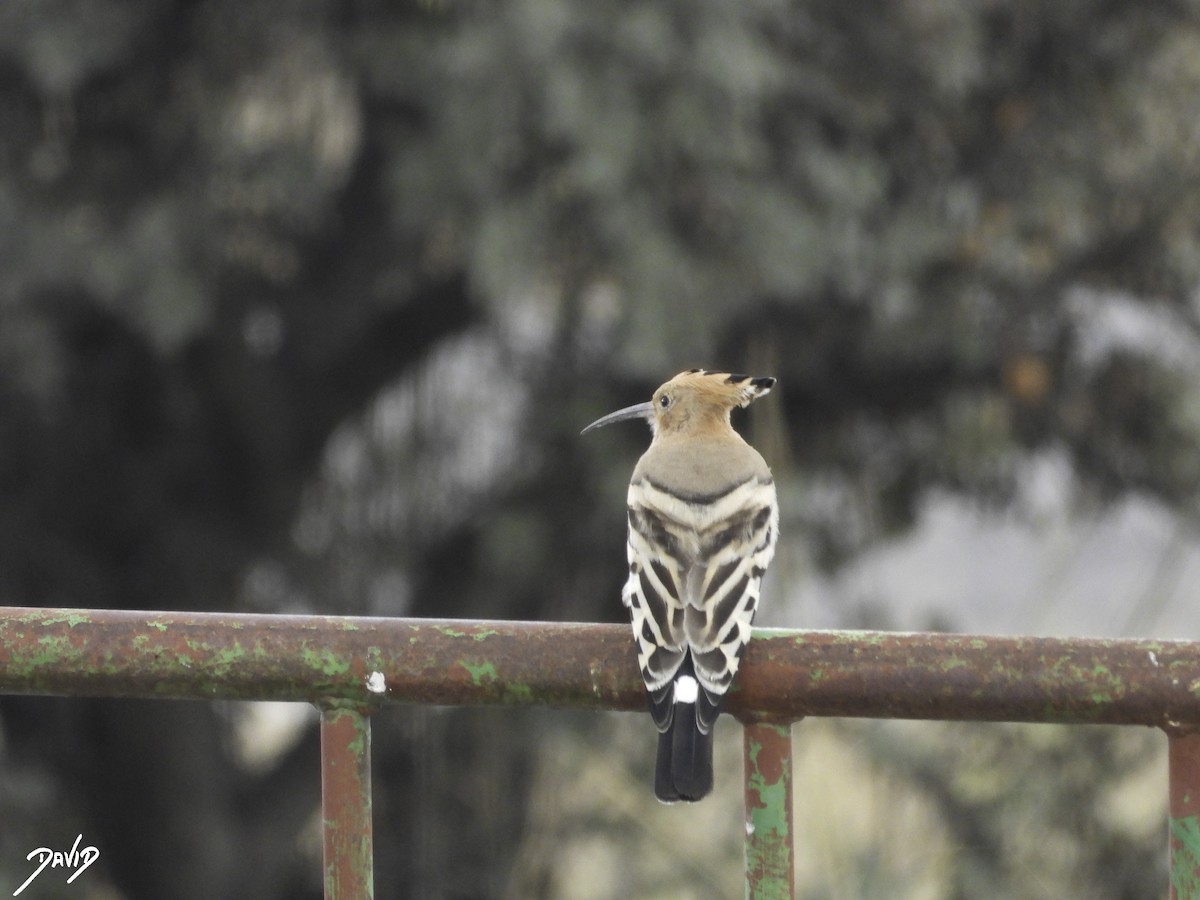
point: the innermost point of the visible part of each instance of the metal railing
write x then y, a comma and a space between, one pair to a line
350, 667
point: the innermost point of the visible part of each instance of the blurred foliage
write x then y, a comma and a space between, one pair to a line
882, 810
302, 307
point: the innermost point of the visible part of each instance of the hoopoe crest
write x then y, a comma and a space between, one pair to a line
703, 521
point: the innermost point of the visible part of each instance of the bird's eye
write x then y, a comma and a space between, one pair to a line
664, 401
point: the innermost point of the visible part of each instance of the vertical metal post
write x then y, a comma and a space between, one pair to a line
1183, 762
770, 855
346, 803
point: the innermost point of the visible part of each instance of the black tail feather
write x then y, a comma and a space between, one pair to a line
684, 769
664, 783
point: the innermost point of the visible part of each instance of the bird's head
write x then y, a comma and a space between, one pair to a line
691, 401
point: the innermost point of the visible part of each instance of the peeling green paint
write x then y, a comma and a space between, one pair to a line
325, 661
480, 671
772, 796
1185, 858
34, 661
361, 741
768, 849
225, 658
69, 617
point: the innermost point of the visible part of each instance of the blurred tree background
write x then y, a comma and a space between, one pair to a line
302, 307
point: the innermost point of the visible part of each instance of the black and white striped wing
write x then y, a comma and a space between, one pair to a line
695, 568
722, 598
658, 563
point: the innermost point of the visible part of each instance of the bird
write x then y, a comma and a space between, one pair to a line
703, 520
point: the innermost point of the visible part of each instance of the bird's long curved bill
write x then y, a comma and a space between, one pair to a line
641, 411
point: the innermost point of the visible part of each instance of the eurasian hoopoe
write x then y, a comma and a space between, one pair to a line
703, 520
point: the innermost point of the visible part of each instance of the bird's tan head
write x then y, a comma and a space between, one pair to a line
693, 400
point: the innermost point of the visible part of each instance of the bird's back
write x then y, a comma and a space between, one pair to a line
703, 520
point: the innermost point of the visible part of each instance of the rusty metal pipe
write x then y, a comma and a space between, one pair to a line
346, 803
786, 674
769, 846
1183, 764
